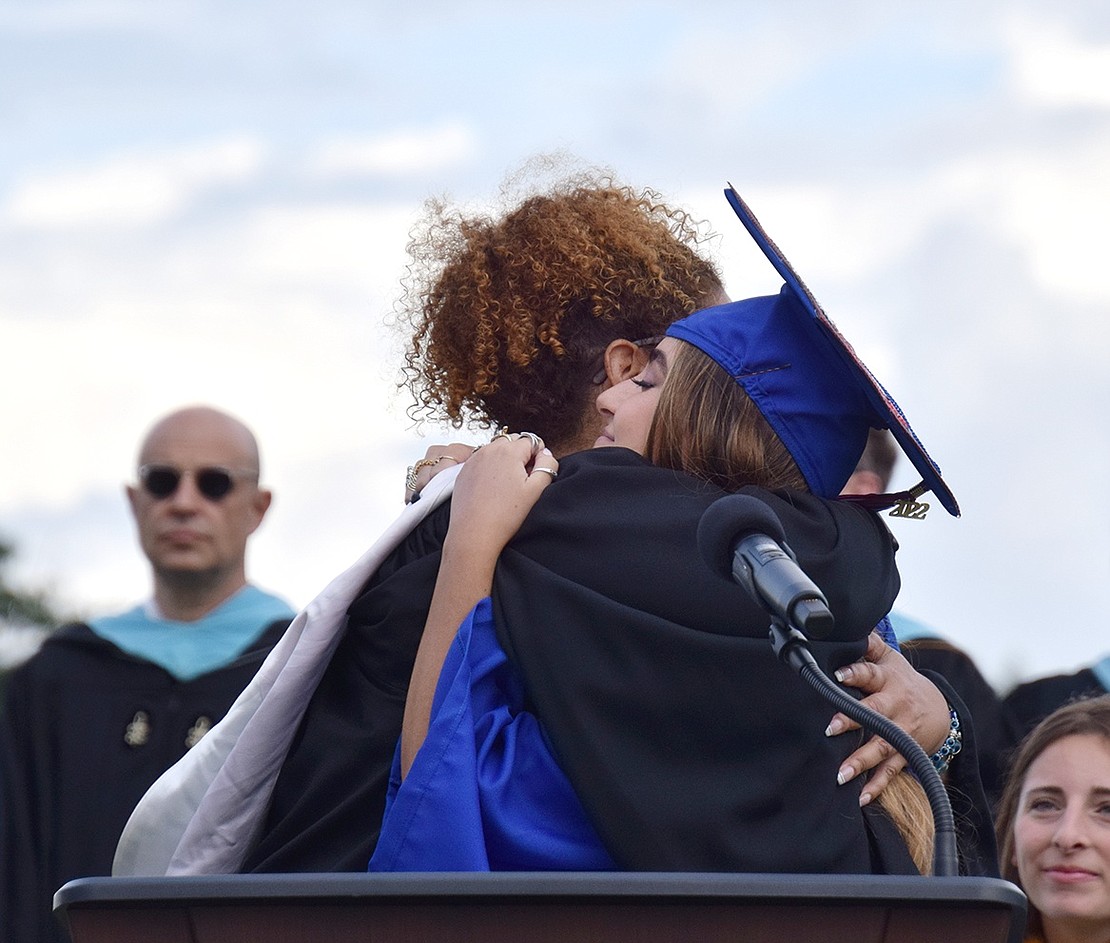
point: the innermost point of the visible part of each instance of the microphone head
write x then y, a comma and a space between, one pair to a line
729, 519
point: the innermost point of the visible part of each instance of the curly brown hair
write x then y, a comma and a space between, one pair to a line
510, 316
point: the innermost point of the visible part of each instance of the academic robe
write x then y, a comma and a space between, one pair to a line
86, 729
689, 745
995, 725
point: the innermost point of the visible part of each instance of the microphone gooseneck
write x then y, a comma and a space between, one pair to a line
793, 648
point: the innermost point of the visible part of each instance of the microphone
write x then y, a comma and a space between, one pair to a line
741, 538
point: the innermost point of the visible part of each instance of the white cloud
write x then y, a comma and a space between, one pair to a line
1058, 211
129, 190
705, 76
273, 308
1048, 202
1052, 65
350, 242
836, 235
68, 16
277, 313
401, 153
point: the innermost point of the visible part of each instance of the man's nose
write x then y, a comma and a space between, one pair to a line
186, 496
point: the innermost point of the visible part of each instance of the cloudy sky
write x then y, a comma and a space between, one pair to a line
204, 201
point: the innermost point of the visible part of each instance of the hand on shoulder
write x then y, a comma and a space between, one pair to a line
499, 485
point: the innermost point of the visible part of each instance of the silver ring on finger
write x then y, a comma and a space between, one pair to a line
537, 442
547, 471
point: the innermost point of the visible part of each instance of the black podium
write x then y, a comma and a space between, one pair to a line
541, 908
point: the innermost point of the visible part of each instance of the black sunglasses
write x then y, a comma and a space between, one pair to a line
215, 483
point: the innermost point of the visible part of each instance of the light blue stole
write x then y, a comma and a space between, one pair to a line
907, 628
1102, 671
190, 649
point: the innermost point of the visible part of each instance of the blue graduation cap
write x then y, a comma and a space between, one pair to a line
805, 378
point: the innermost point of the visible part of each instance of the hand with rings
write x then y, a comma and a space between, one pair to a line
420, 473
896, 690
498, 487
535, 440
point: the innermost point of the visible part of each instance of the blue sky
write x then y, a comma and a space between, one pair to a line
210, 201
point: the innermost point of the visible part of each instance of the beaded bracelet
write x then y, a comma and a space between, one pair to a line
952, 745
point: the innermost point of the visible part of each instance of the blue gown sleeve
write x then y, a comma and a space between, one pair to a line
886, 632
484, 792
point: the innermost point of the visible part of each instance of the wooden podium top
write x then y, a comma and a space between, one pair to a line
541, 908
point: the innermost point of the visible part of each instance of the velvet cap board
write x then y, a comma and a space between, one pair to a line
804, 377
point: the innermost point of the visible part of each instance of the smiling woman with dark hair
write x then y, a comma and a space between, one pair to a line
1054, 824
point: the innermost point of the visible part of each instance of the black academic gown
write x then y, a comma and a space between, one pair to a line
85, 731
996, 729
689, 745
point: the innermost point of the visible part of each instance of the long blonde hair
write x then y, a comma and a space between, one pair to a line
707, 426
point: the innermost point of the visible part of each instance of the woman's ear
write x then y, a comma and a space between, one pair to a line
623, 359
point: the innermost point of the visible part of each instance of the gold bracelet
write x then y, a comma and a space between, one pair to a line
414, 470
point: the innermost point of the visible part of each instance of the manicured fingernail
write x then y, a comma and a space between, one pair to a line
836, 725
547, 451
864, 799
845, 775
843, 674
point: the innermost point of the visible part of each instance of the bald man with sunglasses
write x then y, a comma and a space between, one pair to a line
106, 706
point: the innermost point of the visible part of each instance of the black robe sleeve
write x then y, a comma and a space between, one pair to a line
23, 878
326, 810
75, 758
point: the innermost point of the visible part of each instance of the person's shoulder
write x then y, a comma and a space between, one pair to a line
69, 648
908, 629
69, 638
806, 503
804, 512
590, 459
420, 543
599, 493
1032, 701
932, 651
617, 468
1079, 680
271, 635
